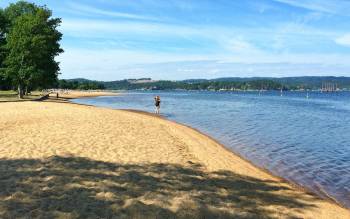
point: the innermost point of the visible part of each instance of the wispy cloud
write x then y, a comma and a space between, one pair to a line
163, 66
89, 10
262, 6
343, 40
231, 39
108, 64
156, 38
239, 45
107, 26
327, 6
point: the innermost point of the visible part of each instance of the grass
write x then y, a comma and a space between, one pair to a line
6, 96
75, 187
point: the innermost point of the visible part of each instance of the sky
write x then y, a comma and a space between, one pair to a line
183, 39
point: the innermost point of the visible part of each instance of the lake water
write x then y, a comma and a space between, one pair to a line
306, 141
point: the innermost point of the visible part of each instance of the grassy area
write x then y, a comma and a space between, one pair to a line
12, 96
7, 92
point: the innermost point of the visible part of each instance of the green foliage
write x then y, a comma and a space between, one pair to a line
199, 85
32, 42
287, 83
15, 10
3, 24
80, 85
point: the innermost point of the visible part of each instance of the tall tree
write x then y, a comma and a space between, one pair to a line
32, 45
7, 19
13, 11
3, 25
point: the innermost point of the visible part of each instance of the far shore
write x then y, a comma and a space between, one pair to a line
72, 94
67, 160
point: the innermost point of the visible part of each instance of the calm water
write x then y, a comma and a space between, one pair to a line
303, 140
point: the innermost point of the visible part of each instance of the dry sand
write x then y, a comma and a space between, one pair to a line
71, 161
70, 94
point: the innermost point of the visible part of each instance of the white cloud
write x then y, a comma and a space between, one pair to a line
112, 64
94, 28
82, 8
126, 34
262, 7
241, 46
120, 64
232, 44
326, 6
213, 69
343, 40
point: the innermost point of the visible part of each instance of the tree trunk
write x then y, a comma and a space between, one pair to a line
20, 91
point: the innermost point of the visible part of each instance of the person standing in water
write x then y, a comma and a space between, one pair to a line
157, 104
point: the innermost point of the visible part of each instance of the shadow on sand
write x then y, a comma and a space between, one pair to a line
73, 187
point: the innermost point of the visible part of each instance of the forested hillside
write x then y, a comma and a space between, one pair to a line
256, 83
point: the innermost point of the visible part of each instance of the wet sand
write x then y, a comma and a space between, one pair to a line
59, 159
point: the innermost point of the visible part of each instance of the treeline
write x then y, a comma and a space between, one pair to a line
234, 85
255, 83
80, 85
290, 83
314, 82
29, 43
202, 85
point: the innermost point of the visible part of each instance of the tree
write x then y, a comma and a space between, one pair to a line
32, 45
13, 11
3, 23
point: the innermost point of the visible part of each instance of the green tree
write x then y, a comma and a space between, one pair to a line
3, 25
13, 11
32, 44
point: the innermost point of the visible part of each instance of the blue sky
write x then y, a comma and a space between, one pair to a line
179, 39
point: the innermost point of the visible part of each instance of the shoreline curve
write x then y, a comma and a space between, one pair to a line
295, 185
292, 183
178, 163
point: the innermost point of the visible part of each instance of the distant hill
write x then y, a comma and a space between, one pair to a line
314, 82
309, 82
227, 83
141, 80
79, 80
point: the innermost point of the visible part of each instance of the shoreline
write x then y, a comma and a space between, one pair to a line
322, 195
181, 155
295, 185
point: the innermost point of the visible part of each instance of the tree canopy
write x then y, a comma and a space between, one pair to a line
3, 24
81, 85
31, 43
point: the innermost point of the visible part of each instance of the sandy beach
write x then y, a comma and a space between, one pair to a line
64, 160
71, 94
